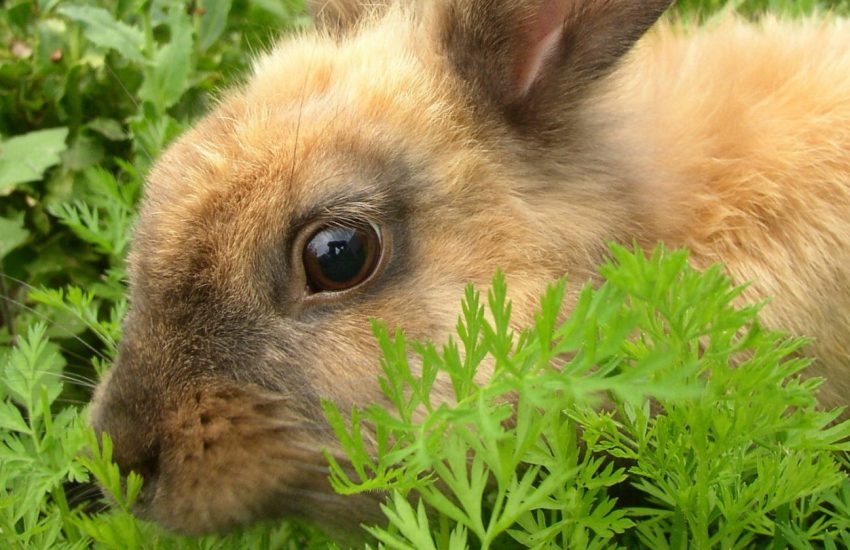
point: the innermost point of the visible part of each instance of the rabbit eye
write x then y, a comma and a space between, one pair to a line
340, 257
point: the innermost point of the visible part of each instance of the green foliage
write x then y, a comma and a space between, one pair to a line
42, 451
91, 91
756, 7
25, 158
731, 452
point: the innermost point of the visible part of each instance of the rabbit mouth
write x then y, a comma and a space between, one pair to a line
230, 456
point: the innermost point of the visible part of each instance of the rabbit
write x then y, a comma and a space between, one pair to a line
372, 167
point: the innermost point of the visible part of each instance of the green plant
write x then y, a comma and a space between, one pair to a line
734, 455
756, 7
91, 91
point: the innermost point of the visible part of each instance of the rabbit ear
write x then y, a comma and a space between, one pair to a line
525, 54
341, 15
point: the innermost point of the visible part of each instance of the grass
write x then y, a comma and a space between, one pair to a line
93, 91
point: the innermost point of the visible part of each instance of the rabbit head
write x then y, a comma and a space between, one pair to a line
369, 169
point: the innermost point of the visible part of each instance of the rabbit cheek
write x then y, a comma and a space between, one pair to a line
215, 449
222, 456
233, 455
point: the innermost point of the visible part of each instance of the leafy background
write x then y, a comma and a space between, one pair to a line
90, 93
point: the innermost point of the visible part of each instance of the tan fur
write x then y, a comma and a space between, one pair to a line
733, 140
759, 176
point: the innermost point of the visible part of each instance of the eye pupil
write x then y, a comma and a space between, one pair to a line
342, 258
339, 257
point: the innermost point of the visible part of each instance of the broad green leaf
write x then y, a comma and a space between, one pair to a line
102, 29
167, 76
212, 21
26, 157
109, 128
12, 235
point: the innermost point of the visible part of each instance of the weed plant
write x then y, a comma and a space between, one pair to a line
705, 416
687, 451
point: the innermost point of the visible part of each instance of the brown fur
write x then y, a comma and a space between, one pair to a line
475, 144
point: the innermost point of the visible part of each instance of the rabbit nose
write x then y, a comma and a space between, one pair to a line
143, 461
135, 444
131, 450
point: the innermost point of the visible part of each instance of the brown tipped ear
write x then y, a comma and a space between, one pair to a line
341, 15
525, 54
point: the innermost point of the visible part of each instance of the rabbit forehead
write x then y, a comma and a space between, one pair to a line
312, 126
224, 223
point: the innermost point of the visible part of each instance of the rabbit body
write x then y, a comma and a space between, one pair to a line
474, 139
749, 130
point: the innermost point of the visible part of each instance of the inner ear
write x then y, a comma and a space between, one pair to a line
523, 55
541, 37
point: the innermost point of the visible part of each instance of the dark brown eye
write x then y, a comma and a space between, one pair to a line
341, 257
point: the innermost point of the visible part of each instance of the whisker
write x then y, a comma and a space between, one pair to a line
135, 103
304, 427
318, 450
302, 464
298, 123
81, 383
5, 310
98, 507
94, 504
89, 496
70, 381
315, 495
22, 283
75, 402
84, 359
300, 426
76, 379
52, 322
83, 491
